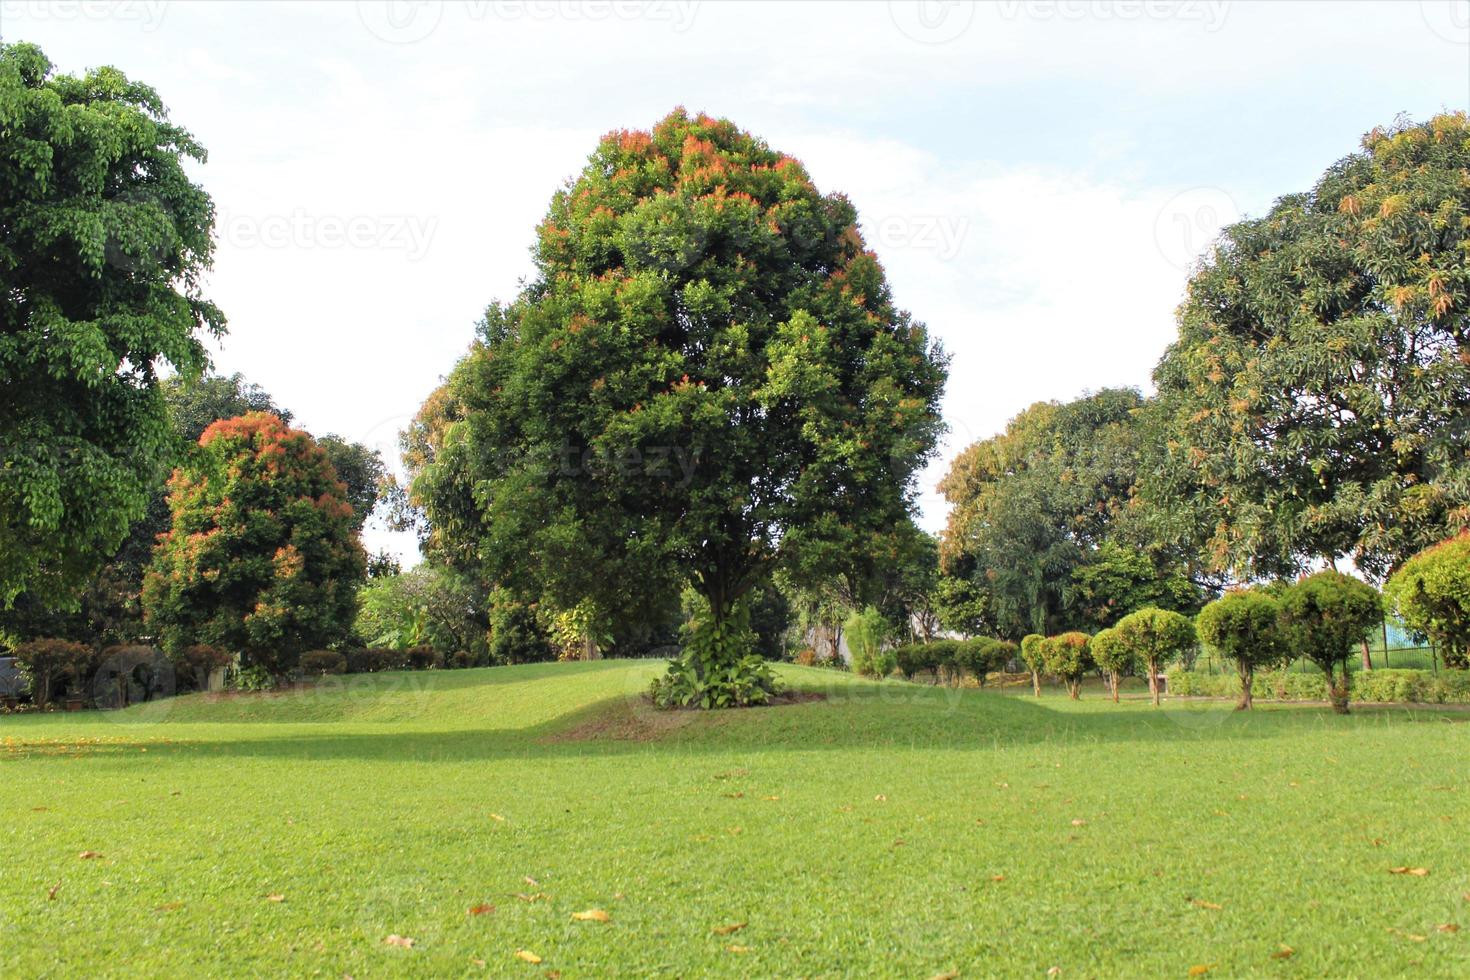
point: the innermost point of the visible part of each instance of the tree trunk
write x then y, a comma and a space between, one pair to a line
1153, 680
1337, 691
1074, 688
1368, 657
1113, 677
1247, 675
1036, 682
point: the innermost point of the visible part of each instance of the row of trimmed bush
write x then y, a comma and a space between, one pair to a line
114, 675
951, 660
1381, 685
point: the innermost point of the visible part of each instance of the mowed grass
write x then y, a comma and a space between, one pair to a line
891, 829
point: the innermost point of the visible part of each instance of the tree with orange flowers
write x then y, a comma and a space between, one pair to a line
263, 558
708, 380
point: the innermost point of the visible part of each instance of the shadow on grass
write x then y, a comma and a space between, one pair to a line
852, 714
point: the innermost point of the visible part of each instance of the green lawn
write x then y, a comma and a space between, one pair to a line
893, 829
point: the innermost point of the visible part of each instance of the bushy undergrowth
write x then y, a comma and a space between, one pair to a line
1416, 686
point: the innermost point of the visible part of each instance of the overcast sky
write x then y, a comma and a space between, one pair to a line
1036, 177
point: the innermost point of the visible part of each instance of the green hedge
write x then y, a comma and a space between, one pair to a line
1422, 686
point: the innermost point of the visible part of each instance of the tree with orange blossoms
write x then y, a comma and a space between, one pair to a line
263, 558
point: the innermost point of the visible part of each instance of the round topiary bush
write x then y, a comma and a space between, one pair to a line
1244, 627
1113, 656
1431, 594
1069, 656
1034, 657
1323, 616
1156, 638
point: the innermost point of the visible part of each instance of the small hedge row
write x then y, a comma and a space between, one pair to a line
1416, 686
952, 659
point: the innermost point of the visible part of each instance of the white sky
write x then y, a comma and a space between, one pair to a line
1036, 176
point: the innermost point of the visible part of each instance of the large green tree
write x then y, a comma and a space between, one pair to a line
263, 558
707, 378
1316, 400
103, 242
1045, 532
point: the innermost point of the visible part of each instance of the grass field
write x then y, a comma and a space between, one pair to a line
890, 829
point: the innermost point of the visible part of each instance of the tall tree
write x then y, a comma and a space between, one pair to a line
1316, 400
263, 558
707, 377
1045, 532
103, 242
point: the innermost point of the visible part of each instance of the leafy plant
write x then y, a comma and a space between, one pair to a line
1431, 594
47, 663
1156, 638
1113, 655
867, 632
1069, 657
706, 674
1324, 616
322, 662
1244, 627
1033, 655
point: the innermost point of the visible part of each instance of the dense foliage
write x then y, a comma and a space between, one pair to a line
1244, 627
1044, 531
1322, 617
1431, 594
263, 557
1317, 397
707, 375
1156, 638
103, 242
48, 664
1113, 656
426, 606
1068, 657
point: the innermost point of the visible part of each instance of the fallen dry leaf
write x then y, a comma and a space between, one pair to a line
770, 797
168, 906
481, 909
403, 942
1079, 823
275, 898
951, 975
51, 892
1416, 872
497, 818
592, 915
898, 843
477, 961
527, 955
727, 930
1202, 904
733, 796
538, 897
880, 798
529, 880
89, 855
1447, 927
1378, 842
997, 877
1284, 953
1200, 969
738, 949
1055, 971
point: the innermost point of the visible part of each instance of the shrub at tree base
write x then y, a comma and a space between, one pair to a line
866, 633
1069, 657
1323, 617
321, 662
704, 675
1244, 626
47, 664
1401, 686
1431, 594
1156, 638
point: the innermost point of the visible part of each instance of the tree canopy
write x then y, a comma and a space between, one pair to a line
103, 242
707, 377
1317, 397
263, 557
